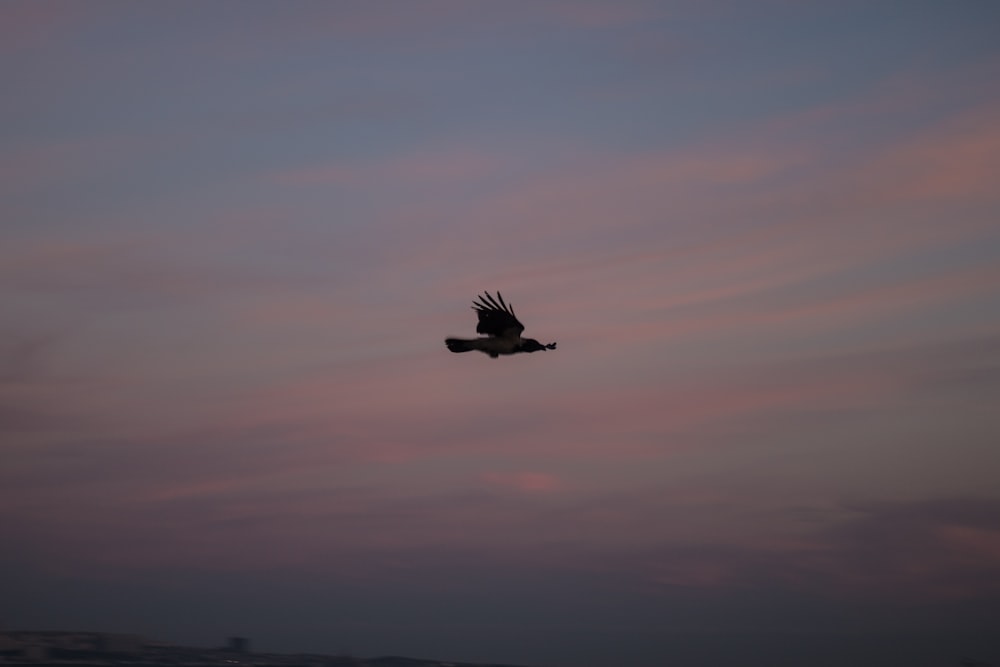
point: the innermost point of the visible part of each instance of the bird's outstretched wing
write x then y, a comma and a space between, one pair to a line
496, 319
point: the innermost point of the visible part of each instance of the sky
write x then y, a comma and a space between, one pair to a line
766, 237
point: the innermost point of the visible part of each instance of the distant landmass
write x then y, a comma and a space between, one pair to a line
104, 649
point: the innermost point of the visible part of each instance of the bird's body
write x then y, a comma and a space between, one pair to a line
502, 329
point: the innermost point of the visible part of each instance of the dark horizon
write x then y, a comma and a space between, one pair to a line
815, 648
85, 648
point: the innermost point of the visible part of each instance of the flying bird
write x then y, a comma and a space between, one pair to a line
502, 329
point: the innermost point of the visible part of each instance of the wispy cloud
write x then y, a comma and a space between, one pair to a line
526, 481
26, 25
440, 168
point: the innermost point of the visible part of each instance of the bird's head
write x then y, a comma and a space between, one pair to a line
532, 345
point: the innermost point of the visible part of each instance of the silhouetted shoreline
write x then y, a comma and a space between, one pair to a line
102, 649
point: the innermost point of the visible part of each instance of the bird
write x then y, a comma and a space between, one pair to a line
502, 329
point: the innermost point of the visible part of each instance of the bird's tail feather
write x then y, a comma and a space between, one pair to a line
459, 345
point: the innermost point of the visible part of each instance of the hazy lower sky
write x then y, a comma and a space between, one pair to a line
766, 236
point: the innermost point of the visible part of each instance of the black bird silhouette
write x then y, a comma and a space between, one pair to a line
502, 329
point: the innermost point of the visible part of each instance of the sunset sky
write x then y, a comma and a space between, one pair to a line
766, 236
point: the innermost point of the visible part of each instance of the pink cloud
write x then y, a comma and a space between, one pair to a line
525, 481
35, 24
437, 167
813, 218
973, 543
590, 14
842, 311
955, 161
911, 554
587, 217
192, 490
437, 411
